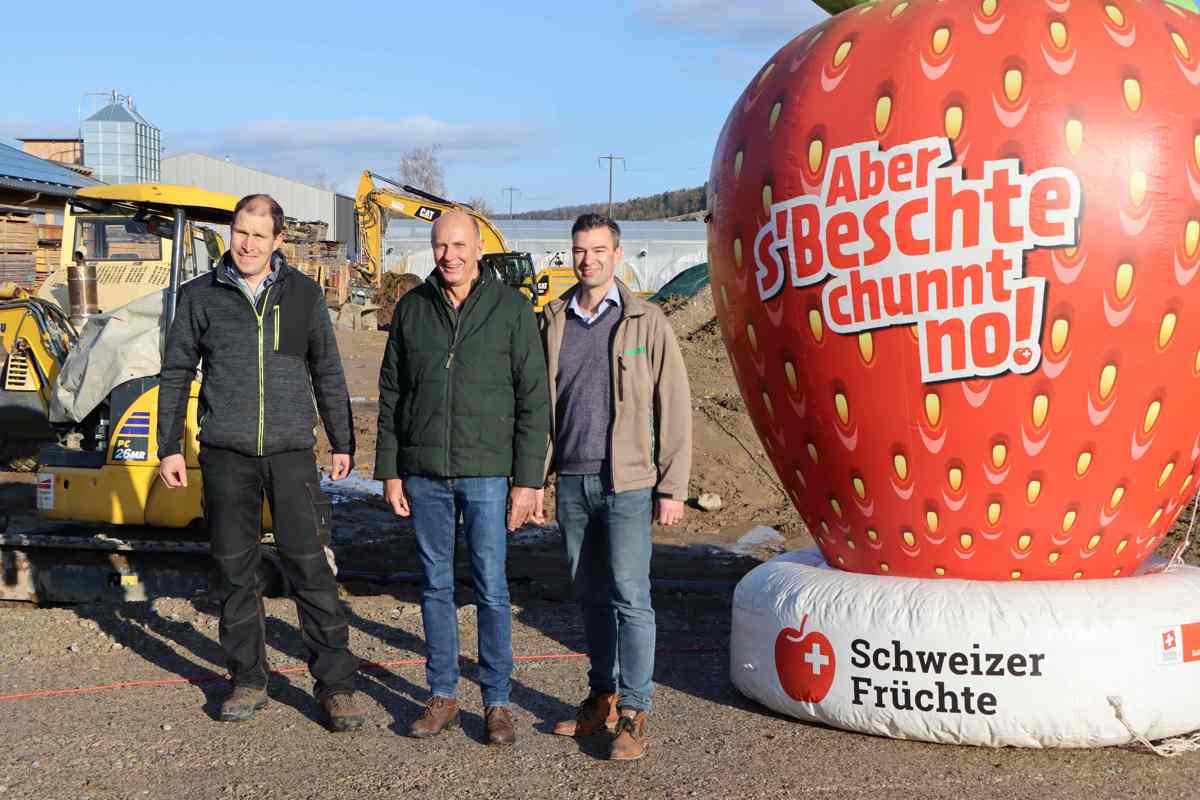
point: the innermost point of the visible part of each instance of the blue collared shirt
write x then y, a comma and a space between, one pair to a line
612, 297
231, 272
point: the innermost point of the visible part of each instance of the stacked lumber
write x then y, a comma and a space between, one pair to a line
299, 231
337, 285
135, 250
48, 255
18, 241
318, 260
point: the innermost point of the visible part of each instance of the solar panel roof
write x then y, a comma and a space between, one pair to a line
21, 171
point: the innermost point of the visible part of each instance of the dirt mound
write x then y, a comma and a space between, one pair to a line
393, 286
727, 456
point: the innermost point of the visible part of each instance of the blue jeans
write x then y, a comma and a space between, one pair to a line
607, 536
436, 503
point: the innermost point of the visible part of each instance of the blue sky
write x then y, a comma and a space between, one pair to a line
519, 93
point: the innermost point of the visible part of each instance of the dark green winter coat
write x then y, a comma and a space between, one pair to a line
463, 394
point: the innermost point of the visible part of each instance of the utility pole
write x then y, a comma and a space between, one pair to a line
510, 190
611, 159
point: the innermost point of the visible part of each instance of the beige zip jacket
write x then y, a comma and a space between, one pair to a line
651, 430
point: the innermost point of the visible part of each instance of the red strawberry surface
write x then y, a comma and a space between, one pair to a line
1073, 457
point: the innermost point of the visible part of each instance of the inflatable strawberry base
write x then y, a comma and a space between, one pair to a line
1023, 664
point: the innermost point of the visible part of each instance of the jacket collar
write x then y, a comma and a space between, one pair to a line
631, 304
278, 264
434, 279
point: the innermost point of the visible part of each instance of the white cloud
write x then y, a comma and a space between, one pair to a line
338, 150
770, 21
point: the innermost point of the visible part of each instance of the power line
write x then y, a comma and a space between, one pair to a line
611, 159
510, 190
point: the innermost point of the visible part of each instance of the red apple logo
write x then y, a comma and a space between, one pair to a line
806, 665
1023, 355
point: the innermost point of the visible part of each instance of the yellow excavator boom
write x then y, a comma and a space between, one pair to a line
374, 204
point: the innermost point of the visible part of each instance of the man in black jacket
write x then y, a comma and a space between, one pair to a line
270, 364
463, 406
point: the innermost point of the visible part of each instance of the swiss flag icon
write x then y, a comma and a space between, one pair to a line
806, 663
1180, 644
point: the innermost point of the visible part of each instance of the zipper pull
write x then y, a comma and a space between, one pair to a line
449, 359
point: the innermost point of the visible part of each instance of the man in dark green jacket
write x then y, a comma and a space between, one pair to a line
463, 407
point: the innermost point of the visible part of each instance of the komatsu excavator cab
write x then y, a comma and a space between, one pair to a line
104, 403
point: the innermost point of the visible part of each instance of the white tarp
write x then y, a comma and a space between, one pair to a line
1030, 664
113, 348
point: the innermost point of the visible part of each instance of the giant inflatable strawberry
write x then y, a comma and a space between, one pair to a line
954, 249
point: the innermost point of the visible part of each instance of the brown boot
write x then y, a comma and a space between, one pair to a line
344, 713
596, 714
242, 703
630, 743
440, 713
498, 720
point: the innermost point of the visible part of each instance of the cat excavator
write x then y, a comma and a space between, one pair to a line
375, 203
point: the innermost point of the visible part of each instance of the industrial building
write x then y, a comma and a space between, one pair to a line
299, 200
120, 145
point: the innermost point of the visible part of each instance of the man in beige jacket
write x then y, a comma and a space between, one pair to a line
621, 443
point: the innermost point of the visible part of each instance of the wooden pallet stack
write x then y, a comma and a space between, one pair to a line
18, 242
298, 231
315, 259
306, 249
48, 255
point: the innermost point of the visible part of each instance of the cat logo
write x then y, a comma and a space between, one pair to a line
428, 214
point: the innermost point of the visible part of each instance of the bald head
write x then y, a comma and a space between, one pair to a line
455, 217
457, 248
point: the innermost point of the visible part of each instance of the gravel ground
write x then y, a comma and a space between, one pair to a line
161, 741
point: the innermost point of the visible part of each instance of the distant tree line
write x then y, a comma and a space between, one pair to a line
656, 206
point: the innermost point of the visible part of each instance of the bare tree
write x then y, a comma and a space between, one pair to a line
481, 205
420, 167
323, 182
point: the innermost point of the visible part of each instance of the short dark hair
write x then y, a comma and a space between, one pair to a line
252, 203
587, 222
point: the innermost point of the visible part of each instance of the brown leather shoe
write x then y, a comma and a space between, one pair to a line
498, 720
440, 713
630, 743
242, 703
344, 713
596, 714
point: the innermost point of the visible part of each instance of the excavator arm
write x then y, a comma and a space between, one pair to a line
374, 204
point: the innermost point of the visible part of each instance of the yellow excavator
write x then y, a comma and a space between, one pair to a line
118, 244
94, 389
374, 204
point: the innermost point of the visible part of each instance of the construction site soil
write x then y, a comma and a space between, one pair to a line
118, 700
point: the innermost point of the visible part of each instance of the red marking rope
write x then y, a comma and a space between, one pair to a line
212, 676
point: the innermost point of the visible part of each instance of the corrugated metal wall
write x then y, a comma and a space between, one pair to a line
299, 200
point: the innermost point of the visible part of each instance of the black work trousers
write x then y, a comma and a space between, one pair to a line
233, 490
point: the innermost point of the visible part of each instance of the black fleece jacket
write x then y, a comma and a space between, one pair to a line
267, 368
